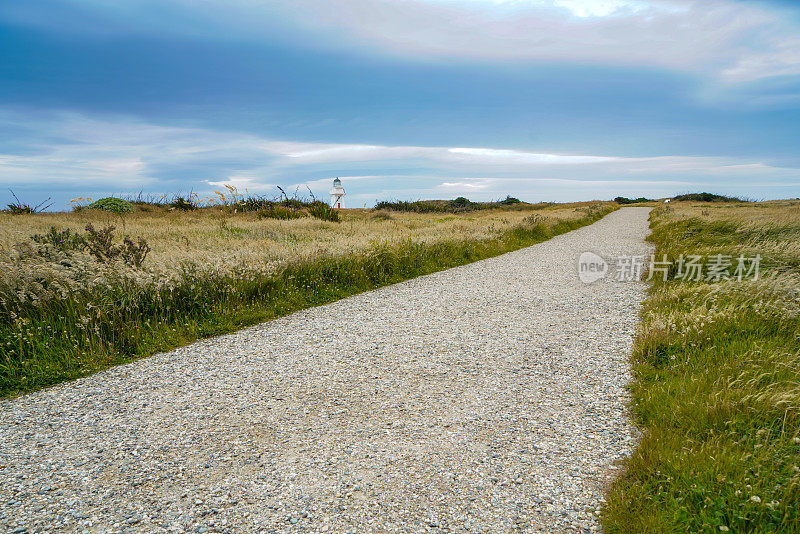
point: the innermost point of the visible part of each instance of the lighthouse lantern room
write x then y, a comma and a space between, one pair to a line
337, 194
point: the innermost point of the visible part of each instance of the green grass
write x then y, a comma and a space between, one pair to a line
716, 389
47, 343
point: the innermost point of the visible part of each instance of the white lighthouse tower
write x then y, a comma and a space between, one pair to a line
337, 194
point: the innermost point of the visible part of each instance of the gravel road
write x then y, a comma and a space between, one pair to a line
485, 398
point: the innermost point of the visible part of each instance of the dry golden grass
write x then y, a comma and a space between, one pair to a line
761, 226
215, 240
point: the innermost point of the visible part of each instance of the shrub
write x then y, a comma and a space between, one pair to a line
20, 208
626, 200
183, 204
113, 205
461, 202
100, 244
280, 212
457, 205
132, 253
426, 206
255, 204
322, 211
706, 197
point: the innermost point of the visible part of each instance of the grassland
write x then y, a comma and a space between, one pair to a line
717, 380
69, 310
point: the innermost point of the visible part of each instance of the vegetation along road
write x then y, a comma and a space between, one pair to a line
488, 398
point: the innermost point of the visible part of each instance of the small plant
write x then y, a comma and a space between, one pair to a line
320, 210
64, 240
509, 200
20, 208
100, 243
183, 204
112, 205
132, 253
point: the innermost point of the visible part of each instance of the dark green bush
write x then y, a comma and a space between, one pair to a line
626, 200
461, 203
707, 197
113, 205
509, 200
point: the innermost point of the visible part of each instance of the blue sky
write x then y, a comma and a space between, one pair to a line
404, 99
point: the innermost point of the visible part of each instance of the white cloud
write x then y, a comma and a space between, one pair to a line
779, 57
491, 156
602, 8
470, 186
118, 154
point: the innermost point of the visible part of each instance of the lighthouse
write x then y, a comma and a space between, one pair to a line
337, 194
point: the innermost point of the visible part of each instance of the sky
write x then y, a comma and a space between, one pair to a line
544, 100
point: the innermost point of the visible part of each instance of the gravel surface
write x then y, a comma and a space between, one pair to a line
485, 398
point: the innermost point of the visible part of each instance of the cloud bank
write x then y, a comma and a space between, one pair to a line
75, 153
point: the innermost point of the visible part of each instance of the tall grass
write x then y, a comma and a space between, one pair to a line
717, 382
57, 329
230, 241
